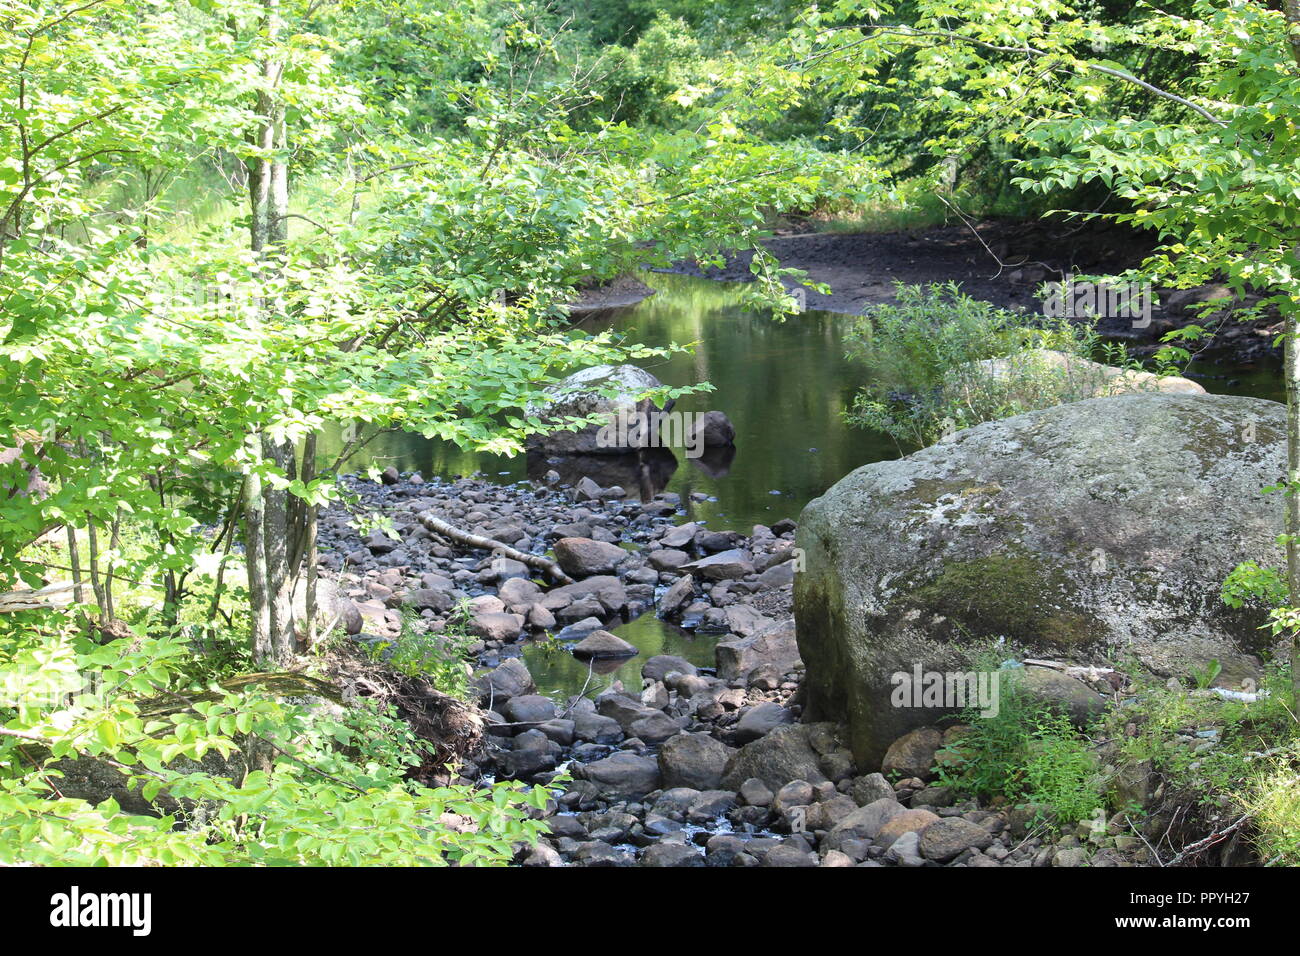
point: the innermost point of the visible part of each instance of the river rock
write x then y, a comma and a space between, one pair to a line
760, 720
1094, 529
909, 821
509, 679
712, 430
602, 645
723, 566
654, 727
785, 754
912, 755
529, 708
584, 557
497, 627
677, 597
775, 646
948, 838
661, 665
693, 760
672, 854
626, 775
604, 391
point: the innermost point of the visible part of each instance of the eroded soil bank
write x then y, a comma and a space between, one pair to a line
1003, 263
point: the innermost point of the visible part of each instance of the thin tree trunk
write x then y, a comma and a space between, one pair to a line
275, 537
255, 559
1291, 371
93, 558
1291, 500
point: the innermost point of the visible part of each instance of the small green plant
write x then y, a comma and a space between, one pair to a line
1273, 802
439, 656
940, 361
1028, 753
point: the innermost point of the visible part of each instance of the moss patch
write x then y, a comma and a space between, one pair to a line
1009, 595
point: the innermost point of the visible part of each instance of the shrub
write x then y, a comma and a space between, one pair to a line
1028, 753
939, 361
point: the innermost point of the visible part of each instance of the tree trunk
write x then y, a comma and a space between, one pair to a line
268, 524
1291, 372
255, 560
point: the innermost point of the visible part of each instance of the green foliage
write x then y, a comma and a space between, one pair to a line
1028, 753
1248, 584
335, 791
437, 655
939, 361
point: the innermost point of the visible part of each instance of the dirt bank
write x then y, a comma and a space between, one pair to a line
1003, 263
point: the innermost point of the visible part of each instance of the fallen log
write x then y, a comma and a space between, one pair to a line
452, 533
52, 595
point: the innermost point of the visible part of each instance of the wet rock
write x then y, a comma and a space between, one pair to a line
509, 679
712, 429
672, 854
661, 665
775, 647
654, 727
947, 838
602, 854
623, 774
596, 729
677, 597
529, 708
667, 559
585, 557
693, 760
602, 645
787, 856
783, 755
723, 566
710, 805
760, 720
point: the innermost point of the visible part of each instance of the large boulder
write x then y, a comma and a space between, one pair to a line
1078, 378
585, 557
609, 392
792, 752
1089, 531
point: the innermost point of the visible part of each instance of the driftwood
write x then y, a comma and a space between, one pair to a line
440, 527
51, 595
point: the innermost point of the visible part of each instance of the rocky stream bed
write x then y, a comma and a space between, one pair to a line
693, 766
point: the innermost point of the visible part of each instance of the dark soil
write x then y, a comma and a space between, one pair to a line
999, 262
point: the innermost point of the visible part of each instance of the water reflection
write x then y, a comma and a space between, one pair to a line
557, 671
783, 384
645, 472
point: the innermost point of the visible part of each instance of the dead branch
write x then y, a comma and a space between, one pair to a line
440, 527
